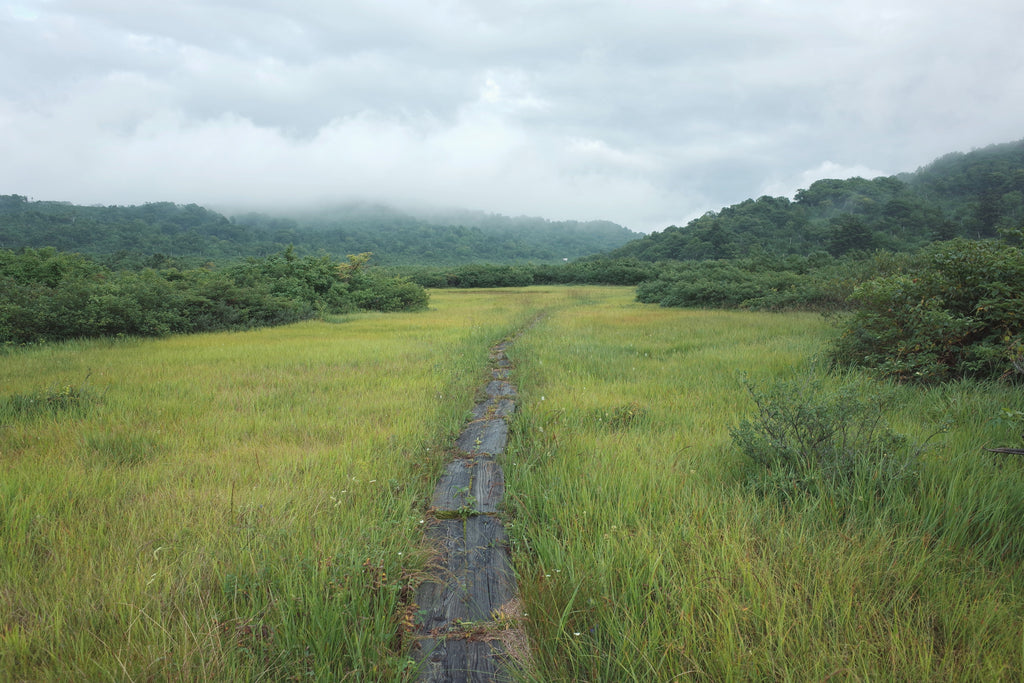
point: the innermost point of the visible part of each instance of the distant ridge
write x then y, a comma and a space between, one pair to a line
975, 195
192, 232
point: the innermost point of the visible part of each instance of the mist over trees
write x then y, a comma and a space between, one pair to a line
131, 236
929, 264
974, 195
891, 249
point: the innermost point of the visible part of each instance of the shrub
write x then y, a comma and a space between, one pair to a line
374, 292
805, 442
49, 296
810, 283
955, 311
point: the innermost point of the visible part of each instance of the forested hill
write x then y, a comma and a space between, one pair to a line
442, 237
973, 195
146, 234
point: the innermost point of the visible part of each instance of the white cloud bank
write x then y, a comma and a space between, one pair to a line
643, 113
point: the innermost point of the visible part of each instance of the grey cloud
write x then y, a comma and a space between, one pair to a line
646, 113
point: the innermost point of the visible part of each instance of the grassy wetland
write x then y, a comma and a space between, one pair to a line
248, 506
645, 552
239, 506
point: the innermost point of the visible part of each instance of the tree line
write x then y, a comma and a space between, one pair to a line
975, 196
49, 295
927, 265
133, 236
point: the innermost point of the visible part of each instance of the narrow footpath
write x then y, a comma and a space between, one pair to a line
469, 628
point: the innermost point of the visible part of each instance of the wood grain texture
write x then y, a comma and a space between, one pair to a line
471, 579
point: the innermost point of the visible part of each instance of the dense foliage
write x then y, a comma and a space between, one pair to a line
806, 441
49, 295
596, 271
130, 236
954, 310
810, 283
950, 311
973, 195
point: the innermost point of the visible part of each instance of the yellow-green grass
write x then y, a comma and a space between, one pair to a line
247, 506
241, 506
642, 556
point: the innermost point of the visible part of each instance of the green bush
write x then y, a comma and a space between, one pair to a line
956, 310
374, 292
49, 296
806, 442
808, 283
592, 271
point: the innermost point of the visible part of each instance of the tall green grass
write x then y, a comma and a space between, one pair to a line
644, 555
247, 506
240, 506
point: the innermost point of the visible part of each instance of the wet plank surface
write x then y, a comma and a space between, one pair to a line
471, 580
470, 486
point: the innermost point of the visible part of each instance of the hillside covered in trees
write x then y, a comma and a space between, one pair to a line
972, 195
928, 264
149, 234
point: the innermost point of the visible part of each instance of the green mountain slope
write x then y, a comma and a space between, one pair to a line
973, 195
137, 233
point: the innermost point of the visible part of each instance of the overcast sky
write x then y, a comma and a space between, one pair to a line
644, 112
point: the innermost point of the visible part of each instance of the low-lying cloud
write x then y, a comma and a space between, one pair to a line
646, 114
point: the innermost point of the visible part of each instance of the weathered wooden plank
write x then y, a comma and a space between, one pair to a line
488, 485
456, 642
470, 483
497, 387
490, 582
442, 596
483, 436
455, 485
492, 408
484, 659
463, 660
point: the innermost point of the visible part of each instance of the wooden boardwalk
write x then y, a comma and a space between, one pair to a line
469, 626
